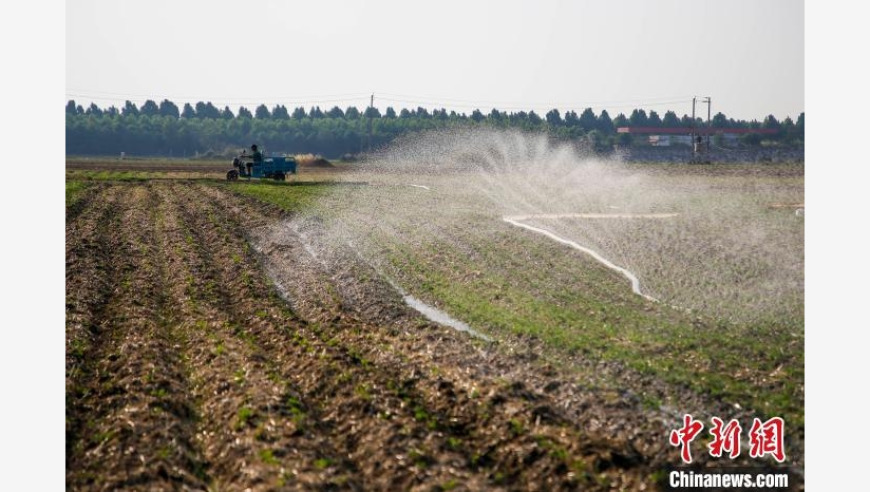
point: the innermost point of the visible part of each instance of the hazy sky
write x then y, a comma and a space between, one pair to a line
748, 55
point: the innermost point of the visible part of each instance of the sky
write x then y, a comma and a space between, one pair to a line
746, 55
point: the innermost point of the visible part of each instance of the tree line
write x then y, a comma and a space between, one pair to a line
164, 129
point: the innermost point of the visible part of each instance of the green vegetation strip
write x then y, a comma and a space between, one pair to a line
128, 175
509, 283
598, 316
74, 191
292, 197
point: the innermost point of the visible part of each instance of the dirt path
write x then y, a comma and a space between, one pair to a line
186, 370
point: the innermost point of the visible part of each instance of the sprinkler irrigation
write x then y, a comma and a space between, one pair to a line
450, 204
635, 282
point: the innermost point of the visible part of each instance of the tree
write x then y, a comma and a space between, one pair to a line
94, 110
211, 111
316, 112
372, 112
351, 113
638, 118
188, 112
571, 119
553, 117
771, 122
654, 120
518, 118
595, 139
620, 120
129, 109
279, 112
686, 121
168, 108
588, 121
262, 112
719, 121
150, 108
790, 131
670, 120
197, 131
605, 124
207, 110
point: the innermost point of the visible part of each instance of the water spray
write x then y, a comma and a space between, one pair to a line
635, 283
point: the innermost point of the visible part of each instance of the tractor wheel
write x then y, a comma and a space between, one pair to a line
279, 176
232, 175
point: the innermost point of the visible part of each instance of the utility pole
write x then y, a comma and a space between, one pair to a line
371, 113
709, 126
696, 133
694, 143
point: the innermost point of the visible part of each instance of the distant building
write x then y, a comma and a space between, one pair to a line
660, 140
666, 137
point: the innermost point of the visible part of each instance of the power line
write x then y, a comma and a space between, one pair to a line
411, 100
277, 100
528, 106
349, 95
439, 99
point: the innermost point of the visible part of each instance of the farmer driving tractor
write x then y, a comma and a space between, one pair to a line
258, 166
255, 159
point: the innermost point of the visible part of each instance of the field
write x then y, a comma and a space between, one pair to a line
253, 335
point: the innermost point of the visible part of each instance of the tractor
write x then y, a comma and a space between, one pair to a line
275, 167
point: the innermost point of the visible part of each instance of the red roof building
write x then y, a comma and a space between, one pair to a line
651, 130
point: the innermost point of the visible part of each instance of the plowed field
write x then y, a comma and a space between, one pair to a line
191, 367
